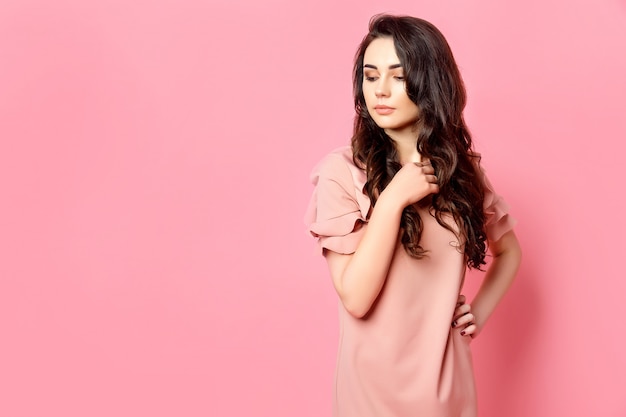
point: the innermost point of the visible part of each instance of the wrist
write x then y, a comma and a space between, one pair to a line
389, 203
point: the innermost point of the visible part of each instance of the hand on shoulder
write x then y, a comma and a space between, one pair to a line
412, 182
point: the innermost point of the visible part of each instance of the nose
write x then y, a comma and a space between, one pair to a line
382, 89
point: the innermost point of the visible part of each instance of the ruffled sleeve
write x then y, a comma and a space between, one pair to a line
338, 208
498, 220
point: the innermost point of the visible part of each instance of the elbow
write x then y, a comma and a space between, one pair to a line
356, 300
512, 256
357, 290
357, 308
516, 253
508, 248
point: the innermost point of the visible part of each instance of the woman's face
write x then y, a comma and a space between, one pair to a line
384, 89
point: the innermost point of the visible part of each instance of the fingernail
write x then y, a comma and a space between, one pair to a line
454, 324
463, 333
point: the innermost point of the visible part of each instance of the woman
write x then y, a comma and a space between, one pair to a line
400, 216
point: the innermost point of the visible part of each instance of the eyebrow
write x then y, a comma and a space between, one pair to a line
394, 66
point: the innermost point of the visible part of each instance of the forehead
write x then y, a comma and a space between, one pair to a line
381, 52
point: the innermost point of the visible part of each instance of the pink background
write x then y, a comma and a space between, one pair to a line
154, 164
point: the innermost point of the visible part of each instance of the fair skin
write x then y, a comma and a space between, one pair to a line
359, 277
386, 98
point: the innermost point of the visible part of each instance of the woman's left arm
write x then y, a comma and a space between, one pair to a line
507, 256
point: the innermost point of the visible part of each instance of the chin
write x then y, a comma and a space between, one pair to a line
388, 126
385, 124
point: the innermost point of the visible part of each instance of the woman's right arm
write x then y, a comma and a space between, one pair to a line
359, 277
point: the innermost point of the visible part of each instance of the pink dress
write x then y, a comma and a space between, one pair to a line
403, 359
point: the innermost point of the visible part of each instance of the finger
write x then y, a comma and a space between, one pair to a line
469, 330
461, 311
460, 300
423, 163
463, 320
431, 179
428, 170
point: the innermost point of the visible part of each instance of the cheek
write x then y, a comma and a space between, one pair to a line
409, 105
400, 91
368, 93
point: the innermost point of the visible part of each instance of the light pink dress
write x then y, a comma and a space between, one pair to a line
403, 359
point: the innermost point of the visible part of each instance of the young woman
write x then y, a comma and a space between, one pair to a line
399, 217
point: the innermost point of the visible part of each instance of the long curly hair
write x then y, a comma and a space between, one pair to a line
434, 84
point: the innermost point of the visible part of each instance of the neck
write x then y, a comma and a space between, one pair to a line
406, 146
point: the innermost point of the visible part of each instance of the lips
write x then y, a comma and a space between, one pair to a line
383, 110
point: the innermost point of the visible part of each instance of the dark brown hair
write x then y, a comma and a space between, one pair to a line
434, 84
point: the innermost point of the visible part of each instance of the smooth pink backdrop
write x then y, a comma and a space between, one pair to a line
154, 162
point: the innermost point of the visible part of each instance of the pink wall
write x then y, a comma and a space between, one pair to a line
154, 158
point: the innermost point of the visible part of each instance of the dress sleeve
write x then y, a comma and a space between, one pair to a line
498, 220
335, 216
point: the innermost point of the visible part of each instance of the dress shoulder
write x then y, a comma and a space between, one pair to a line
338, 207
498, 220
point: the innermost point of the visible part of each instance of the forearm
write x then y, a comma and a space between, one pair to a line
359, 277
497, 281
365, 274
